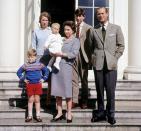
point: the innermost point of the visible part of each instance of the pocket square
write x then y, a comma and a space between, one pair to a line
112, 34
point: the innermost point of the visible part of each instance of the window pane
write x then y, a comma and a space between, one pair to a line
85, 3
101, 3
95, 18
89, 16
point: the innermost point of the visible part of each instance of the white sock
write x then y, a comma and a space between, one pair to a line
38, 113
30, 113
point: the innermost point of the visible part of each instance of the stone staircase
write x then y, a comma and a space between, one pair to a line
13, 110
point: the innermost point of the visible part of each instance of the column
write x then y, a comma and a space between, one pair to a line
37, 11
133, 70
31, 14
11, 36
119, 15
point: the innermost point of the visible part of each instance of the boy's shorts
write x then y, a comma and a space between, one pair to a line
34, 89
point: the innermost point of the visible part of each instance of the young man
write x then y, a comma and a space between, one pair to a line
82, 61
108, 42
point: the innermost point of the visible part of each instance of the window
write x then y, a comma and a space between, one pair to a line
90, 7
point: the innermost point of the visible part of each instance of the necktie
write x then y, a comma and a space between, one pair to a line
77, 30
103, 32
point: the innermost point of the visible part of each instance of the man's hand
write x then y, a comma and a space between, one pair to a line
60, 54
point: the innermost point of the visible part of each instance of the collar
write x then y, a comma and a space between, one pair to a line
47, 28
81, 24
105, 25
32, 62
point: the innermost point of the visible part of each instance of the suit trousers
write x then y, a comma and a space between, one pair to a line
80, 70
106, 79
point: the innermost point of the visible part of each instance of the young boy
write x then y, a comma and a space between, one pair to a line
33, 73
54, 44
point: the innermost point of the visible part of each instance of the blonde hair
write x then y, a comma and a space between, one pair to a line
55, 25
31, 52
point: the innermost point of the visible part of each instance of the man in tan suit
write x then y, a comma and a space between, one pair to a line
82, 61
108, 44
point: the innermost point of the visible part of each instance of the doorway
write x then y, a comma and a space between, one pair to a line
60, 10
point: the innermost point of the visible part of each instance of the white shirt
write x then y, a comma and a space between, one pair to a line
81, 25
105, 25
54, 43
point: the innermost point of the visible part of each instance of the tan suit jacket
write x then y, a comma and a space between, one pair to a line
112, 48
81, 64
84, 42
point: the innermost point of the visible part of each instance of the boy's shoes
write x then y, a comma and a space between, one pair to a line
28, 119
56, 66
38, 119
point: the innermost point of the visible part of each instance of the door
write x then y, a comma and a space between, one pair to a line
60, 10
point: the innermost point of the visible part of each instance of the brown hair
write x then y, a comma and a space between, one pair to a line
31, 52
70, 24
80, 12
45, 14
106, 10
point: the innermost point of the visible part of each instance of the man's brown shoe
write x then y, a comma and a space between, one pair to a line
74, 105
84, 106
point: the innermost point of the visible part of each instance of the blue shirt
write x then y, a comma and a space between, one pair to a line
39, 37
33, 72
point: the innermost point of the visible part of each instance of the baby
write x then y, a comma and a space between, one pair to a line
54, 43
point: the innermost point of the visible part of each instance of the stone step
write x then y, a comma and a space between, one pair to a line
123, 96
124, 93
77, 125
11, 91
15, 112
91, 86
123, 88
121, 99
120, 83
120, 105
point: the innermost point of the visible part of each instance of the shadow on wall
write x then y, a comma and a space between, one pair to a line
22, 101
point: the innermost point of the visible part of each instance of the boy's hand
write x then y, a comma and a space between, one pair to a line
26, 81
41, 81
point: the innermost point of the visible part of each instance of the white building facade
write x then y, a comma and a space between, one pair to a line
20, 17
